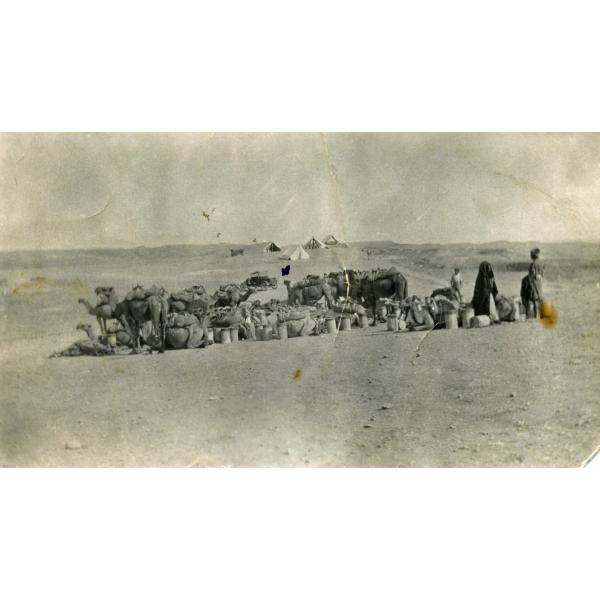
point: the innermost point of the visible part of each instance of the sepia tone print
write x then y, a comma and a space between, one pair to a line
305, 300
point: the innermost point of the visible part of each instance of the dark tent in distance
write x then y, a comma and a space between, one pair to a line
314, 244
272, 247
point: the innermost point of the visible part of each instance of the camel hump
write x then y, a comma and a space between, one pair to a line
183, 296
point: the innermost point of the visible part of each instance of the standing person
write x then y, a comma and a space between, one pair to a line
484, 295
456, 284
535, 278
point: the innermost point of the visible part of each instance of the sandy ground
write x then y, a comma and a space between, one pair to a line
519, 394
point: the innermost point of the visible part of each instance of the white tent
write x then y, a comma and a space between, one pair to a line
331, 240
271, 247
295, 253
314, 244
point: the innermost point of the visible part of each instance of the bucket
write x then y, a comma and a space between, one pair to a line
401, 325
267, 333
363, 321
210, 335
259, 332
282, 331
226, 336
217, 335
516, 315
331, 326
345, 324
466, 314
392, 323
235, 334
451, 319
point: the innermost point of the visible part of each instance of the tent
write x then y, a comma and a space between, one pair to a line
272, 247
295, 253
331, 240
314, 244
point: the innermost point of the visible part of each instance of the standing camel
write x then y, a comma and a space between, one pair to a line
373, 286
310, 293
107, 307
154, 308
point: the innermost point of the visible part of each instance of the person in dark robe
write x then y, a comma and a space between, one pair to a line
535, 277
485, 292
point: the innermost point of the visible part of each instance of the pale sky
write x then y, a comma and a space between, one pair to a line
114, 190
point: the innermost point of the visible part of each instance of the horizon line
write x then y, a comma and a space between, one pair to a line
168, 245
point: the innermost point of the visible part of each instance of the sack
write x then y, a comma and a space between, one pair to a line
481, 321
182, 320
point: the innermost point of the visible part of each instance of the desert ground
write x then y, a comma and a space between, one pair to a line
516, 394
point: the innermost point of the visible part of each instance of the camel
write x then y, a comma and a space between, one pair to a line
186, 331
309, 293
379, 284
340, 284
90, 347
107, 307
230, 295
304, 327
141, 306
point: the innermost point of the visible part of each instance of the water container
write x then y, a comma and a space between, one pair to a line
111, 340
331, 326
267, 333
466, 314
282, 331
226, 336
210, 335
363, 321
217, 335
401, 325
392, 323
345, 324
451, 319
235, 334
259, 329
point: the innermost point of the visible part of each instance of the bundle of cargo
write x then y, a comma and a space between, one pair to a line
189, 300
140, 293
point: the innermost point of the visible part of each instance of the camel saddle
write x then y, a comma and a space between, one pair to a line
141, 293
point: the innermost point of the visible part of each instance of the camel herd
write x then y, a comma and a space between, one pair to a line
154, 319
